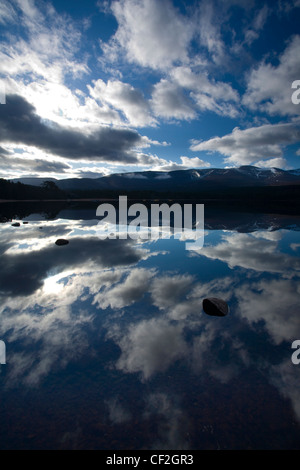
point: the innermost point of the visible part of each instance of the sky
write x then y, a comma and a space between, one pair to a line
89, 88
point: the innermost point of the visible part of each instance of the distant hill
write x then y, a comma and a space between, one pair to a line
214, 179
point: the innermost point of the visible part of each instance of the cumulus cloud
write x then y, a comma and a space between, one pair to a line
186, 93
269, 86
152, 33
126, 98
170, 101
207, 94
256, 144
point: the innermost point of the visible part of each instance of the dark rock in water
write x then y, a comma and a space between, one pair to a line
61, 242
215, 307
16, 224
3, 220
25, 223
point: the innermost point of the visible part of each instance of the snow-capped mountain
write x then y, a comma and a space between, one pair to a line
179, 180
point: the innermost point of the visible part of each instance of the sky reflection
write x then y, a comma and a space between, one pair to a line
115, 315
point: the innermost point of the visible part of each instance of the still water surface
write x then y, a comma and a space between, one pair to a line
107, 345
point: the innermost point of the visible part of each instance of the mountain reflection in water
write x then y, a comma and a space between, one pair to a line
108, 347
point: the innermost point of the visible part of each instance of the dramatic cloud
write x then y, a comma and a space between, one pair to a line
20, 124
251, 145
154, 64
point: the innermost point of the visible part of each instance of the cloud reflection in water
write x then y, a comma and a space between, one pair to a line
59, 304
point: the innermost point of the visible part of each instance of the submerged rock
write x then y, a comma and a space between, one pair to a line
215, 307
16, 224
61, 242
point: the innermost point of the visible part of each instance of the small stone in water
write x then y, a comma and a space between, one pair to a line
215, 307
61, 242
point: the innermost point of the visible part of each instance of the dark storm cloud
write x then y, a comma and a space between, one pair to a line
20, 124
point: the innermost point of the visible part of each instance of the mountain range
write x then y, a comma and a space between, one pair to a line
179, 180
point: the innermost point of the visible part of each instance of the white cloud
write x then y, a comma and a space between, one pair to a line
125, 98
252, 32
269, 86
173, 425
194, 162
47, 49
7, 12
210, 33
167, 291
169, 101
117, 413
152, 33
247, 251
279, 162
127, 292
276, 303
150, 346
207, 94
284, 378
243, 147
